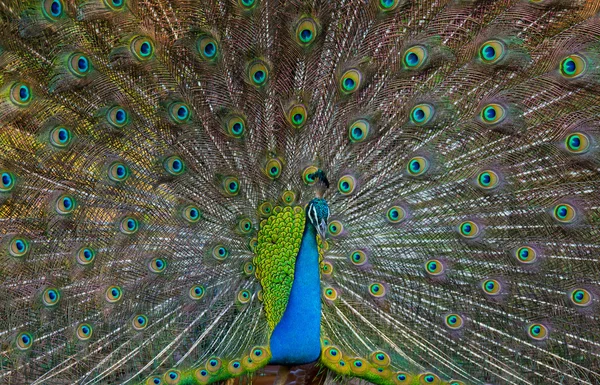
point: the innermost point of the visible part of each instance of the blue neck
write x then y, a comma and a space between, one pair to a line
296, 339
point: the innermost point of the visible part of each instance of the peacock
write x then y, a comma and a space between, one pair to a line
384, 191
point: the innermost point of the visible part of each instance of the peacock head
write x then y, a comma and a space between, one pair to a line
318, 209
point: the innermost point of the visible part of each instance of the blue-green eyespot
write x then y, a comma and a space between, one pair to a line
491, 287
491, 51
421, 114
573, 66
174, 165
50, 297
350, 81
493, 114
52, 9
415, 57
7, 181
142, 48
60, 137
79, 64
537, 332
577, 143
20, 94
581, 297
306, 32
24, 341
208, 48
417, 166
564, 213
84, 331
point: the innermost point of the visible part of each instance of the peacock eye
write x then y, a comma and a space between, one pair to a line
258, 73
395, 214
273, 168
581, 297
7, 181
377, 290
65, 204
113, 294
453, 321
308, 175
142, 48
388, 5
244, 296
79, 64
330, 293
468, 229
20, 94
487, 180
139, 322
381, 359
53, 9
265, 209
220, 252
358, 131
60, 137
306, 32
577, 143
245, 225
415, 57
350, 81
85, 256
346, 184
117, 117
537, 332
248, 268
526, 254
434, 267
196, 292
491, 287
248, 4
157, 265
358, 257
491, 51
429, 379
235, 367
403, 378
421, 114
18, 247
335, 228
297, 115
50, 297
24, 341
288, 197
179, 112
231, 186
492, 114
573, 66
236, 126
172, 376
174, 165
417, 166
208, 48
84, 331
114, 5
564, 213
129, 225
118, 172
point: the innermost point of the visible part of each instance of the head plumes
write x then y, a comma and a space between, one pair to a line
321, 182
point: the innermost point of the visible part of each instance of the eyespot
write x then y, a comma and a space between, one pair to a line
380, 359
487, 180
84, 331
434, 267
191, 213
377, 290
65, 204
572, 66
20, 94
332, 354
213, 364
220, 252
358, 257
273, 168
196, 292
402, 378
7, 181
53, 9
388, 5
297, 115
421, 114
79, 64
248, 268
157, 265
231, 186
468, 229
115, 5
577, 143
244, 225
526, 254
113, 294
18, 247
179, 112
236, 126
85, 256
60, 137
265, 209
429, 379
174, 165
306, 32
564, 213
346, 184
142, 48
454, 321
330, 293
359, 366
208, 48
50, 297
395, 214
417, 166
139, 322
202, 376
351, 81
235, 367
537, 332
491, 52
154, 381
581, 297
129, 225
288, 197
24, 340
248, 4
117, 117
335, 228
259, 354
491, 287
308, 175
118, 172
492, 114
456, 382
414, 57
172, 376
327, 268
258, 73
253, 244
244, 296
359, 130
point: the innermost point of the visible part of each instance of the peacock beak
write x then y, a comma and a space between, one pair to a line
322, 228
